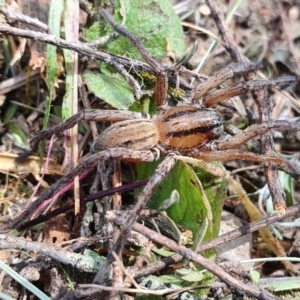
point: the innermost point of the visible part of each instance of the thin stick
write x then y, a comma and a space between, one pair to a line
207, 264
161, 86
85, 166
262, 101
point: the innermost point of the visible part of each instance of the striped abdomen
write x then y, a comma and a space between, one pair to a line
186, 127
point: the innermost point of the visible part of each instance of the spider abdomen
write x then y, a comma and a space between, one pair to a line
186, 127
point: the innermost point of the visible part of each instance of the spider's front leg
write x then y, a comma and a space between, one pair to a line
244, 87
243, 136
96, 115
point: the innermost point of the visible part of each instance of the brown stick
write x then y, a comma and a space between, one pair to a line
205, 263
263, 103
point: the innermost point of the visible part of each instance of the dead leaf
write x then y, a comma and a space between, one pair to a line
57, 230
31, 165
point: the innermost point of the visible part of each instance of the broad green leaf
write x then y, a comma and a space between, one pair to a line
112, 88
193, 276
154, 22
163, 252
190, 211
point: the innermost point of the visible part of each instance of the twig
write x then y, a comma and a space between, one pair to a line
125, 271
205, 263
14, 16
161, 86
138, 265
46, 164
66, 207
84, 167
227, 237
262, 101
113, 60
86, 102
79, 261
14, 83
101, 41
163, 168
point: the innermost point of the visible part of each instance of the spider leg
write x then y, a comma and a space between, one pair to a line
252, 210
88, 115
226, 155
84, 167
226, 73
244, 87
254, 131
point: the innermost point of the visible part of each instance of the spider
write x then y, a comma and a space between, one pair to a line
195, 129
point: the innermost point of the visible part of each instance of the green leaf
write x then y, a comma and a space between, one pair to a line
190, 211
193, 276
288, 185
19, 138
154, 22
15, 232
255, 276
9, 113
162, 252
286, 284
112, 88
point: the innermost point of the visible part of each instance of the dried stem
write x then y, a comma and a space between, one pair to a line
205, 263
84, 167
262, 100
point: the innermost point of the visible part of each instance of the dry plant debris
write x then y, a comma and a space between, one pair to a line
219, 117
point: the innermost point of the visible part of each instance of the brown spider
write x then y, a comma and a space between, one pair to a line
197, 130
